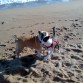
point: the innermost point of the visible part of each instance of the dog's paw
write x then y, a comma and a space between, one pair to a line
46, 58
39, 57
59, 51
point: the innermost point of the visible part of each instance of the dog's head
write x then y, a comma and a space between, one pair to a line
42, 34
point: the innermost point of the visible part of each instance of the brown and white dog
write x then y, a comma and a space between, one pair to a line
29, 41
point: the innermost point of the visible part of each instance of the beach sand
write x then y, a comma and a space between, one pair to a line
66, 67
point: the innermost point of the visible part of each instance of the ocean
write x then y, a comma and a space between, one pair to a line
8, 4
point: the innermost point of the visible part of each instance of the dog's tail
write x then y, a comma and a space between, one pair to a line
53, 31
16, 38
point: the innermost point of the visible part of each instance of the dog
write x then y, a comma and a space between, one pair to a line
29, 41
50, 43
42, 34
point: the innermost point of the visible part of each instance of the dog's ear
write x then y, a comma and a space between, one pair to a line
39, 32
46, 38
44, 33
15, 36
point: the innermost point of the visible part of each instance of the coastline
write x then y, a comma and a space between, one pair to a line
24, 4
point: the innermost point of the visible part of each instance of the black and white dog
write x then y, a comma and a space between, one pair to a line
50, 44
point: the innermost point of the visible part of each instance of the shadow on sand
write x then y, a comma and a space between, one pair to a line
19, 66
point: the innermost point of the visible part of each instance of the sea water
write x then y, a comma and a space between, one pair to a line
7, 4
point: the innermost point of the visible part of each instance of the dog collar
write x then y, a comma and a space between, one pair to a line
53, 41
49, 46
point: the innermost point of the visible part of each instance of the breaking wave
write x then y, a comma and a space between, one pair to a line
4, 4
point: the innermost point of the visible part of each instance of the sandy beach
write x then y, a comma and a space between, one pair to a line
66, 67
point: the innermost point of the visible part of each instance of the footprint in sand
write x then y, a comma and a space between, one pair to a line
2, 22
81, 22
2, 45
71, 20
12, 27
53, 22
59, 20
76, 19
73, 25
65, 28
36, 24
25, 80
19, 27
79, 26
65, 20
42, 23
49, 23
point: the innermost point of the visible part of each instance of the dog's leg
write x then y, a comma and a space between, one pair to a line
19, 49
50, 52
57, 46
38, 53
16, 51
